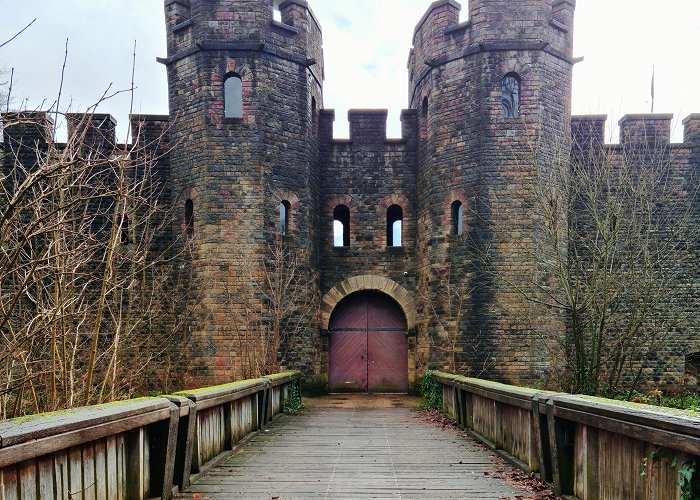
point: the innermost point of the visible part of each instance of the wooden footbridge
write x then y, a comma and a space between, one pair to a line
356, 453
232, 442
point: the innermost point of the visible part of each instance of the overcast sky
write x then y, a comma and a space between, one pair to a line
366, 44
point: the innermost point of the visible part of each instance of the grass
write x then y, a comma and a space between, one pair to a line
684, 401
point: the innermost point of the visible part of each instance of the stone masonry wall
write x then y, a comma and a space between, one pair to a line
470, 153
237, 171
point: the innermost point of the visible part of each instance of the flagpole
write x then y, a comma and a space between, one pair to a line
653, 75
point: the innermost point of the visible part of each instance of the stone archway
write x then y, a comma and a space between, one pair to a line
367, 283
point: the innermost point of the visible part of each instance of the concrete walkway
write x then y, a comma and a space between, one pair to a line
356, 452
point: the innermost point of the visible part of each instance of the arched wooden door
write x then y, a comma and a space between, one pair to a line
368, 346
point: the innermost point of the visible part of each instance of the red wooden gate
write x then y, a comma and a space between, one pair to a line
368, 347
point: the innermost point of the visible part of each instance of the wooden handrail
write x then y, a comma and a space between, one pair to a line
572, 440
141, 448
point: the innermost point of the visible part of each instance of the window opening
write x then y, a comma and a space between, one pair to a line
233, 96
284, 217
189, 218
314, 116
692, 365
276, 13
457, 218
424, 107
394, 226
510, 95
341, 226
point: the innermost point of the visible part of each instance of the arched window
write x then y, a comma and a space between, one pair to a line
189, 218
341, 226
510, 95
394, 226
424, 107
457, 218
233, 96
285, 209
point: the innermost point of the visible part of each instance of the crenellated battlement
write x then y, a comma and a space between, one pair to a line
491, 26
95, 131
243, 25
368, 128
648, 129
691, 131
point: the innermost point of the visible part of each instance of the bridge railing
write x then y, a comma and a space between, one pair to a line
585, 447
142, 448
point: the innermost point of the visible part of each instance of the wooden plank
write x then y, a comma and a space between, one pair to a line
75, 470
9, 482
134, 462
145, 464
29, 450
45, 468
61, 473
343, 453
37, 428
89, 480
101, 471
553, 448
112, 467
28, 480
283, 378
509, 399
673, 440
643, 415
122, 467
218, 397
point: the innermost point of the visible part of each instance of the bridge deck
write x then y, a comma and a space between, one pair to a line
356, 453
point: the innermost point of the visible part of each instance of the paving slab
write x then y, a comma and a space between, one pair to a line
357, 452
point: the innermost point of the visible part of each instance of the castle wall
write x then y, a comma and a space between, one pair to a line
645, 145
237, 171
472, 154
456, 146
368, 173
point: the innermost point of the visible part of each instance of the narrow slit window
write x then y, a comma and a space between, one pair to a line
341, 226
457, 218
692, 366
510, 96
233, 96
285, 207
314, 116
394, 226
189, 218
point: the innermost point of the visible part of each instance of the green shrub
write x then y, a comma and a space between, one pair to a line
293, 403
431, 392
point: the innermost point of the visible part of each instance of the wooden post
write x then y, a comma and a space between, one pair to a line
561, 450
539, 435
185, 441
468, 410
460, 407
162, 445
135, 471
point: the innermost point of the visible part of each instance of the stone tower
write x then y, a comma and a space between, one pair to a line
244, 94
488, 90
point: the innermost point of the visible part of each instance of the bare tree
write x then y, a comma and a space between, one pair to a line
447, 299
89, 286
278, 300
616, 230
